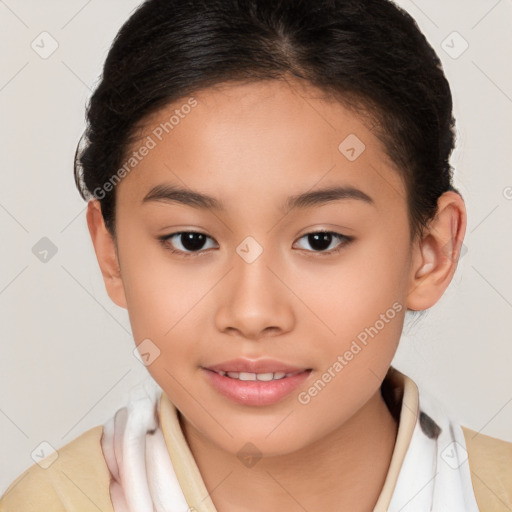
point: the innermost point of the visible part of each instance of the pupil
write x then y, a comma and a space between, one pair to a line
320, 241
187, 239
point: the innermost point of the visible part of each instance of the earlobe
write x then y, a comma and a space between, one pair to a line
436, 255
106, 253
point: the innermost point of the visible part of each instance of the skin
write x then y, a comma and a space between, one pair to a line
251, 146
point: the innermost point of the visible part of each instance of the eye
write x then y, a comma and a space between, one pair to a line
321, 240
192, 241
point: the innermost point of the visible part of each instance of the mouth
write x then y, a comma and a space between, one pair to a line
263, 377
255, 383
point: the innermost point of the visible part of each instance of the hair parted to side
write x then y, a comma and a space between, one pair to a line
370, 54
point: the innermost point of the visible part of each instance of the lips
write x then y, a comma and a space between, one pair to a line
255, 382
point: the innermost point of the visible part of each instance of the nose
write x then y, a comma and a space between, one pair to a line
253, 301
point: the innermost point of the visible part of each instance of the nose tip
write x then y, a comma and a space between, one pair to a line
253, 303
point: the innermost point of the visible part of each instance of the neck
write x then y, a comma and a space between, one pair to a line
344, 471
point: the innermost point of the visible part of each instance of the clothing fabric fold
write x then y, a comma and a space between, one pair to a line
142, 475
435, 474
431, 462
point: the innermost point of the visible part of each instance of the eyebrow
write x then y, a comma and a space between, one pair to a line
169, 193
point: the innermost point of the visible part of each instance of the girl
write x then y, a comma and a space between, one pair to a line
269, 193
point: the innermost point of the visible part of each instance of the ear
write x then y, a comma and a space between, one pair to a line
106, 253
436, 254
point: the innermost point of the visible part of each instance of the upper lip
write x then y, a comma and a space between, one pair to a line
255, 366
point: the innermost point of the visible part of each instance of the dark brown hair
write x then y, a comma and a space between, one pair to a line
369, 50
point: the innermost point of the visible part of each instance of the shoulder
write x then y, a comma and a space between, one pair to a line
74, 478
490, 463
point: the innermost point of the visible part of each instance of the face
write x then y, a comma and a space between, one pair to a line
314, 287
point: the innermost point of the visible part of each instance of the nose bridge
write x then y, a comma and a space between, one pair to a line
253, 279
255, 299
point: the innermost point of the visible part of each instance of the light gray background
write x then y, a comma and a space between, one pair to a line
66, 358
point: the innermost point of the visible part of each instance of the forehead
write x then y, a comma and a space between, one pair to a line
259, 139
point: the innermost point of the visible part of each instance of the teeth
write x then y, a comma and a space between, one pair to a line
265, 376
255, 376
246, 376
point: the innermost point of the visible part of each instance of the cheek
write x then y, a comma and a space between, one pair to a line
365, 282
165, 306
364, 307
154, 292
354, 361
378, 270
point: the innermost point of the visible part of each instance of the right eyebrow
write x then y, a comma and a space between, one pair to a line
168, 193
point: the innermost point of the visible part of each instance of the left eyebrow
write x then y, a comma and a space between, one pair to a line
325, 195
173, 194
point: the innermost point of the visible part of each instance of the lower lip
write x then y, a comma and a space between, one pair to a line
255, 392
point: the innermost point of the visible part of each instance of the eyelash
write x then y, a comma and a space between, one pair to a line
164, 240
